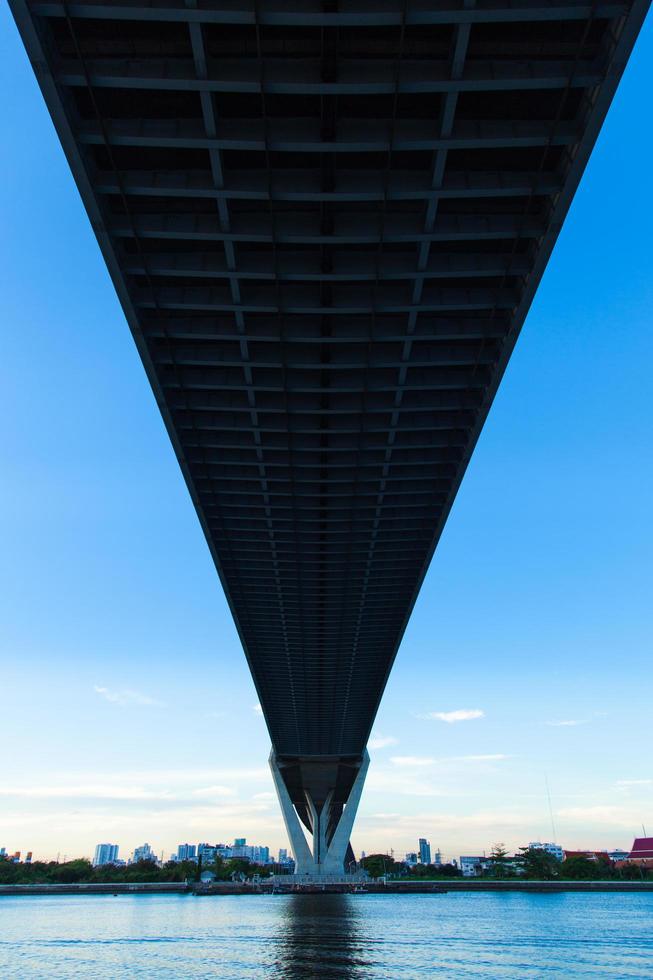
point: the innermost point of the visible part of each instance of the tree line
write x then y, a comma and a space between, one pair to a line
81, 870
530, 863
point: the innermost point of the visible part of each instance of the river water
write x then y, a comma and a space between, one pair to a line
348, 937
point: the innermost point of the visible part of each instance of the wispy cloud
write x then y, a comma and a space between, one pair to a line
567, 723
634, 782
126, 697
379, 741
213, 791
411, 761
601, 815
452, 717
414, 761
87, 791
257, 709
491, 757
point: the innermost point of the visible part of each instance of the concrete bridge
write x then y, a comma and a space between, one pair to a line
326, 221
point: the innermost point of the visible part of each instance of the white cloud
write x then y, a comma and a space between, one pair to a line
451, 717
411, 761
211, 791
87, 791
379, 741
602, 815
257, 709
495, 757
634, 782
127, 697
570, 723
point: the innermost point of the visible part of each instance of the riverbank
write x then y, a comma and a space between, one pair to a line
369, 887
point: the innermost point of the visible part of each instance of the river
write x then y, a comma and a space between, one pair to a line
394, 937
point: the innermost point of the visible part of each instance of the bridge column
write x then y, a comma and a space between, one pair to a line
330, 843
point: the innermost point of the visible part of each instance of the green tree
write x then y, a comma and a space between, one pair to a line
73, 871
378, 865
499, 858
538, 864
579, 868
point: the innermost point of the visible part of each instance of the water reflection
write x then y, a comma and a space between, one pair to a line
320, 935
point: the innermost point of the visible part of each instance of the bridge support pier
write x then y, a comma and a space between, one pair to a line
328, 821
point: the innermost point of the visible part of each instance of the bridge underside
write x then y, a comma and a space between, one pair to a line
326, 222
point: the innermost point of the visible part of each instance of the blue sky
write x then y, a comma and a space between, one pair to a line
127, 711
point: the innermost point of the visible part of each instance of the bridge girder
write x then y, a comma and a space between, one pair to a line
326, 223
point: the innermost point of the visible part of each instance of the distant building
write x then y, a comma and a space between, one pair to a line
411, 858
424, 851
590, 855
186, 852
143, 853
437, 860
471, 867
256, 853
105, 854
619, 855
641, 852
209, 852
553, 849
283, 855
3, 852
28, 857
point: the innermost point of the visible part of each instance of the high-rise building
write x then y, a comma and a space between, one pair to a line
283, 855
105, 854
424, 851
437, 860
3, 852
186, 852
143, 853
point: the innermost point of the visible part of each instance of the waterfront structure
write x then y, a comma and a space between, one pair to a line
424, 851
326, 224
555, 850
105, 854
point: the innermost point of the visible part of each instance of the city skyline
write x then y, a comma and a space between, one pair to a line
109, 853
134, 714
